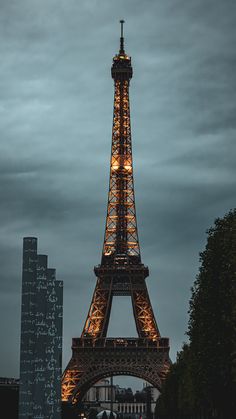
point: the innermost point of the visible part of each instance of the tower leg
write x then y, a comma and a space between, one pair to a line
143, 314
99, 312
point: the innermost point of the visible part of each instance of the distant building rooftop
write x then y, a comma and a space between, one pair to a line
9, 381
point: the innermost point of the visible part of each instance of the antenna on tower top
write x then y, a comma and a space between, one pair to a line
121, 29
122, 51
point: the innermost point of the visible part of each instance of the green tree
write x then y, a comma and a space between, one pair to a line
201, 383
177, 398
68, 411
212, 322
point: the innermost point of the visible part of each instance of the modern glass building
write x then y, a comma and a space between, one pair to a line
41, 337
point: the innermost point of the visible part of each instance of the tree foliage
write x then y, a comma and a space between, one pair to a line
202, 382
68, 411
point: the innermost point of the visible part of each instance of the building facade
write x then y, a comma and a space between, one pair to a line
122, 401
9, 396
41, 337
102, 391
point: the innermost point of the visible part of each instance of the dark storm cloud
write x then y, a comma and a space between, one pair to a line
55, 121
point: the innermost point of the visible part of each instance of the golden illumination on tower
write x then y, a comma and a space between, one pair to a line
120, 273
121, 245
121, 236
70, 380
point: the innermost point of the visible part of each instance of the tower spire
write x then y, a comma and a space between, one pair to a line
122, 51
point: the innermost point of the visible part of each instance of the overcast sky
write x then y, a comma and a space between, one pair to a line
56, 105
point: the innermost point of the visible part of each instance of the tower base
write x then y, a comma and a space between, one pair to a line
93, 360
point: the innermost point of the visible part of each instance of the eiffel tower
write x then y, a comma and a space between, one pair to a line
121, 273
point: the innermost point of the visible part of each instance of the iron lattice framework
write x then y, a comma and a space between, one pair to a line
121, 272
121, 236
